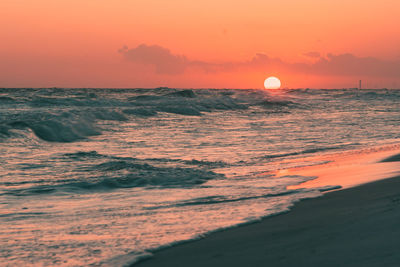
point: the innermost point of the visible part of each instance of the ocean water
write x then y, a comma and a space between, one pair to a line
103, 177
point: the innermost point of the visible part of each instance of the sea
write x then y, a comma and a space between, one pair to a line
105, 177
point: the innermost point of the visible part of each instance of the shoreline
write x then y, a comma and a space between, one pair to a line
354, 226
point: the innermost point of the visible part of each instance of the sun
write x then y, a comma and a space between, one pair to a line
272, 83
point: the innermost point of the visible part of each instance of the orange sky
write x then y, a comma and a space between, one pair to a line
178, 43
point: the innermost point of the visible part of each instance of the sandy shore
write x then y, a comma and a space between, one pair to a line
358, 226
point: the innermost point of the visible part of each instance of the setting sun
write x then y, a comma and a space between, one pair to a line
272, 83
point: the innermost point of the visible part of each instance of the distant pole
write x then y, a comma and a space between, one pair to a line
359, 85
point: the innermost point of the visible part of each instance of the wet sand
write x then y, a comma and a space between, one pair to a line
358, 226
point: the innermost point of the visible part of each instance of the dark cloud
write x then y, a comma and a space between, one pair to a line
336, 65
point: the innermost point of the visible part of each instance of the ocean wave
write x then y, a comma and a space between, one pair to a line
6, 99
60, 125
380, 94
66, 115
110, 115
211, 200
116, 162
84, 155
213, 164
309, 151
4, 131
366, 94
132, 172
140, 112
186, 103
182, 110
145, 97
183, 93
276, 103
117, 174
56, 130
272, 156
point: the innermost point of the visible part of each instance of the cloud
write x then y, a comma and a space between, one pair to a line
164, 61
168, 63
349, 64
312, 54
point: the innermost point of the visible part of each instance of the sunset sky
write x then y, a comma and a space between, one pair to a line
197, 44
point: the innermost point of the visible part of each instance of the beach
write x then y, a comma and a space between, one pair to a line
356, 226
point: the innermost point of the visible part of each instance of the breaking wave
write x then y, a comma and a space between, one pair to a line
116, 173
68, 115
